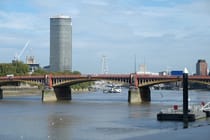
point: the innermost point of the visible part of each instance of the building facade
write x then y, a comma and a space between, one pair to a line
201, 67
30, 61
60, 43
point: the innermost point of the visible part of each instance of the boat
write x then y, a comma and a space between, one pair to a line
195, 112
112, 89
206, 108
116, 89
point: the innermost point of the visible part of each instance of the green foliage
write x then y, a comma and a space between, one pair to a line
40, 71
16, 68
76, 73
19, 68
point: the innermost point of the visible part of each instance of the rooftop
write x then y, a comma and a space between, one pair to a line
60, 16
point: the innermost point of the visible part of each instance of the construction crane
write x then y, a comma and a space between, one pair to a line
17, 56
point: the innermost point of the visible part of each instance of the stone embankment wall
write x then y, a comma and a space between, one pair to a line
20, 91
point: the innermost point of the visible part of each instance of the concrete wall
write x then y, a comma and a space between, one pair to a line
134, 95
48, 95
138, 95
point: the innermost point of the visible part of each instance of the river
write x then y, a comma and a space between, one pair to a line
91, 116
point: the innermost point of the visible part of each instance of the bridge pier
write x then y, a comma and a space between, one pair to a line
48, 95
134, 95
56, 94
145, 94
63, 93
138, 95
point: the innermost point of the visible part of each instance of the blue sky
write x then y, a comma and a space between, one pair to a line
163, 34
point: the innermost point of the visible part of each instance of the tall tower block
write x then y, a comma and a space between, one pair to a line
60, 43
201, 67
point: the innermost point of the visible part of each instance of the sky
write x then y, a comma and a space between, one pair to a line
162, 34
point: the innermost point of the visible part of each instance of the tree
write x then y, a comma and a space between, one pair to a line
76, 72
20, 67
39, 71
16, 68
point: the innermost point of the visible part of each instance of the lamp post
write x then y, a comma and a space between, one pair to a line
185, 98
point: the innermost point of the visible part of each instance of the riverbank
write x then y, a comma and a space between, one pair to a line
26, 90
21, 90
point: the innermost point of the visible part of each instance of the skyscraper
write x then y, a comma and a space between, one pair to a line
60, 43
201, 67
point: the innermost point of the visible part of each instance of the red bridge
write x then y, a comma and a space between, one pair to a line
60, 84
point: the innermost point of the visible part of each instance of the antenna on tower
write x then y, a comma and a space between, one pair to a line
104, 67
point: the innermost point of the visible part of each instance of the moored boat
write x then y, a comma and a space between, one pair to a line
112, 89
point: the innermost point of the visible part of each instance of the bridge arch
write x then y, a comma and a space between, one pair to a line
16, 82
156, 82
200, 82
78, 81
62, 89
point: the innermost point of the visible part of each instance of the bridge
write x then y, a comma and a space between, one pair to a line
60, 85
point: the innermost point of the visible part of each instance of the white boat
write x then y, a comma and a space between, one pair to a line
112, 89
117, 89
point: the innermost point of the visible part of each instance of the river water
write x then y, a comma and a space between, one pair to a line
91, 116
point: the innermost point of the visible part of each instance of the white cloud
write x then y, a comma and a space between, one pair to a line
18, 21
96, 2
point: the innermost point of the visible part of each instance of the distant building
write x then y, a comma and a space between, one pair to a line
201, 67
163, 73
60, 43
30, 61
143, 71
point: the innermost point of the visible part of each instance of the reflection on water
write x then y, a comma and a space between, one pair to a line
90, 116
